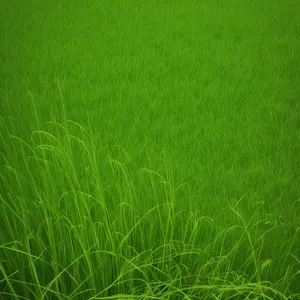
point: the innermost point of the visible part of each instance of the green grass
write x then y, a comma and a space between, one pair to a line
149, 149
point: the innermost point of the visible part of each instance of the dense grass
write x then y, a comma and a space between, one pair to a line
149, 149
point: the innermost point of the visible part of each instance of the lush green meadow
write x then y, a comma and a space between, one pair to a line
149, 149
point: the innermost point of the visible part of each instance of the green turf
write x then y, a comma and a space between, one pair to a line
149, 149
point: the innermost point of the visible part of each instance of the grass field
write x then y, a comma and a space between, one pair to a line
150, 149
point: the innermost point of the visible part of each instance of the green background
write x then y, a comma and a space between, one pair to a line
191, 151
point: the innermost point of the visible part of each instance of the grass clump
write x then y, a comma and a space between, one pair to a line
81, 225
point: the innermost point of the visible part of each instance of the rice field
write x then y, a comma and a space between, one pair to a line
150, 150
